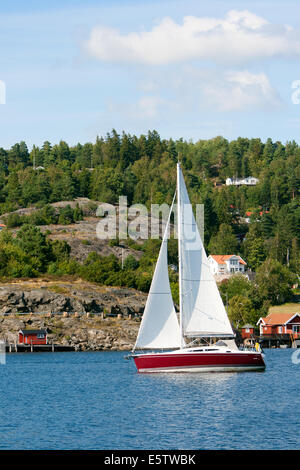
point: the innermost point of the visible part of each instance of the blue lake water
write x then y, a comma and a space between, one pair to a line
96, 400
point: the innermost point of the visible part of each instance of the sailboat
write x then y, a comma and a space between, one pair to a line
201, 311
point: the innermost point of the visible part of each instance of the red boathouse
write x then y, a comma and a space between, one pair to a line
248, 331
280, 324
33, 337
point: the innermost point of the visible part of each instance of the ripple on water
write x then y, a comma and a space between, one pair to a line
96, 400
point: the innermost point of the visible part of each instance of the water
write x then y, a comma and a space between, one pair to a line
96, 400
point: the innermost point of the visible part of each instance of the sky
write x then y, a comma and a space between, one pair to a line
72, 69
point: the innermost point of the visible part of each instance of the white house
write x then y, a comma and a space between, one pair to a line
226, 264
249, 181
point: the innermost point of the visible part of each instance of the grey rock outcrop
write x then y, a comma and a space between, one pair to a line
82, 333
70, 298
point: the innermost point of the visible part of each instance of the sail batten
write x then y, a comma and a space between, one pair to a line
208, 334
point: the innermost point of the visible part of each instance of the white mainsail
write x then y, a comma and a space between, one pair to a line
159, 327
202, 310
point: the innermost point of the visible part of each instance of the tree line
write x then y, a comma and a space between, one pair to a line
144, 169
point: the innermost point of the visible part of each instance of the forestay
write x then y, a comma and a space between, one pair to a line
159, 327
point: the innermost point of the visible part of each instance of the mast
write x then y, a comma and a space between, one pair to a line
179, 256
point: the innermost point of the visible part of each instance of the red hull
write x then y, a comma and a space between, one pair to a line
204, 362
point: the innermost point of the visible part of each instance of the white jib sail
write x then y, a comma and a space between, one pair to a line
159, 327
203, 312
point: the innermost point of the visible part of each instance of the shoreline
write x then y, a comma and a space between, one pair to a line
80, 332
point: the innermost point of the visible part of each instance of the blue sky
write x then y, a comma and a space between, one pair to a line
74, 69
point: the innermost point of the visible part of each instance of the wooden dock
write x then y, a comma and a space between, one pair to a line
274, 341
17, 347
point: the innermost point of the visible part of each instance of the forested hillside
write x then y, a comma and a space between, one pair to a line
144, 169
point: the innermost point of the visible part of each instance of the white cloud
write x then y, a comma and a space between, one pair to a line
199, 92
194, 89
241, 91
237, 38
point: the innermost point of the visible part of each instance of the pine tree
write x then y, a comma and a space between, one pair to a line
224, 242
47, 155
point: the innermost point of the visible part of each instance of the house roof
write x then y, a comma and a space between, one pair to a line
249, 213
32, 332
278, 318
247, 326
220, 259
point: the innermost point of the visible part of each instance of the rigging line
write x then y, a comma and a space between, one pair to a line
208, 316
159, 293
165, 238
207, 266
187, 292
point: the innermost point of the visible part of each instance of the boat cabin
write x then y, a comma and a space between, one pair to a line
33, 337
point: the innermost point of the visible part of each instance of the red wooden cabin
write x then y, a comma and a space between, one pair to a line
280, 324
33, 337
247, 331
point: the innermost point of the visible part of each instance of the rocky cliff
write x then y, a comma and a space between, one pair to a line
83, 332
52, 296
75, 312
89, 316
